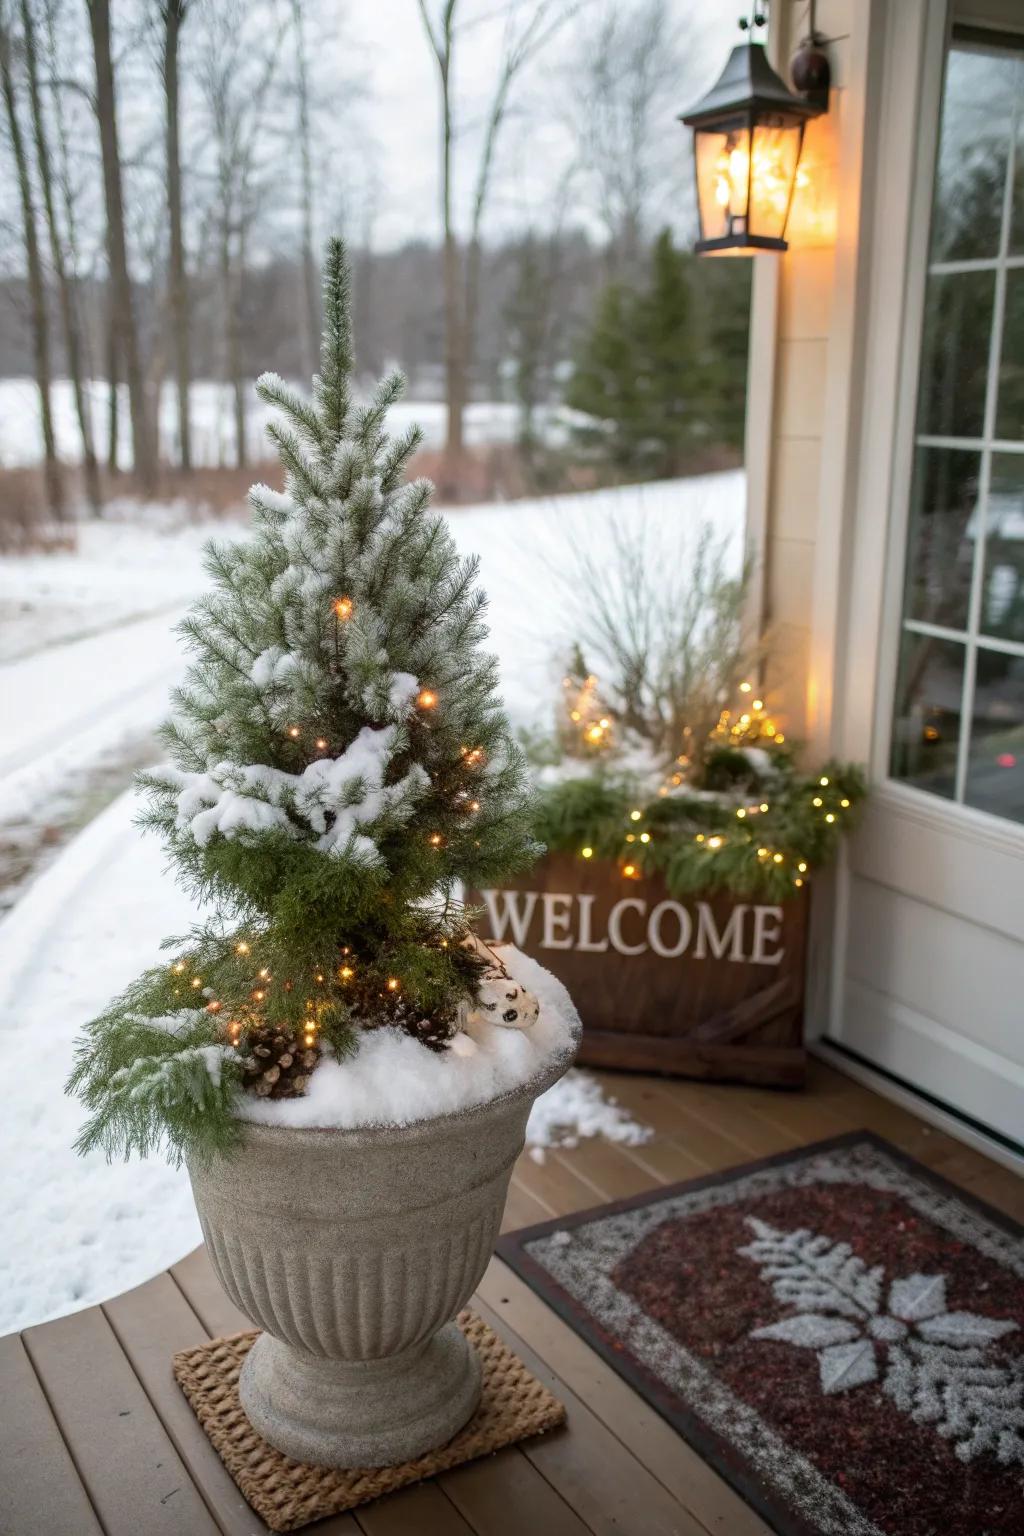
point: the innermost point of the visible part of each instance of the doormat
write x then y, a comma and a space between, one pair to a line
289, 1494
838, 1331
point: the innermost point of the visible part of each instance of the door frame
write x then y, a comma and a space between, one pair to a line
952, 856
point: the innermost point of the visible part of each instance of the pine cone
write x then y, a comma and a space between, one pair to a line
432, 1030
275, 1064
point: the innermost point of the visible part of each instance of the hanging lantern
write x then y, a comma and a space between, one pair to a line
747, 135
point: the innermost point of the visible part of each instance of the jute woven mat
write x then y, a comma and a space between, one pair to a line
287, 1494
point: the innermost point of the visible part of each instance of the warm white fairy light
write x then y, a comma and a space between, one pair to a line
343, 608
426, 698
241, 948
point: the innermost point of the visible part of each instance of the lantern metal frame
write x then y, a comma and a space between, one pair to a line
749, 95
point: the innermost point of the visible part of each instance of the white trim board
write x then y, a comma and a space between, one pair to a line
907, 1098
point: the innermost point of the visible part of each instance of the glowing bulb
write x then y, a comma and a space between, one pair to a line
741, 813
699, 838
241, 948
474, 805
845, 804
197, 981
178, 967
393, 984
779, 737
645, 837
817, 801
595, 733
715, 842
798, 881
264, 974
762, 853
588, 853
605, 724
802, 867
764, 805
343, 608
635, 815
427, 698
777, 858
629, 870
576, 715
321, 744
759, 703
746, 687
830, 818
259, 995
346, 972
319, 976
435, 839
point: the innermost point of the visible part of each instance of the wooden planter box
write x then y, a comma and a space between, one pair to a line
711, 986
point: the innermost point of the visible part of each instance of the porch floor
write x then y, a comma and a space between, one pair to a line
95, 1435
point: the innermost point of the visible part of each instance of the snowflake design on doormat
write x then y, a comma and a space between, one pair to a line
934, 1364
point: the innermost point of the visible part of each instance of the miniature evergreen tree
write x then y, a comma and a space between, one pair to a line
340, 763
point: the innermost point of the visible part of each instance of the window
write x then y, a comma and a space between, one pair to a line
958, 719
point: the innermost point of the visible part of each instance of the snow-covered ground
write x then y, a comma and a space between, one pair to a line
78, 1230
212, 421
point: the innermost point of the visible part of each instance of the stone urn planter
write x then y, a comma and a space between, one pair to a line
353, 1250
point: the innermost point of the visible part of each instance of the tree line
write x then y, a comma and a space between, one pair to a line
174, 162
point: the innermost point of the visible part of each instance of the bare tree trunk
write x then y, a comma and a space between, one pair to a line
124, 328
174, 13
36, 287
310, 280
68, 308
442, 43
113, 401
233, 338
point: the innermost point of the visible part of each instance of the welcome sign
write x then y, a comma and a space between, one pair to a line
707, 986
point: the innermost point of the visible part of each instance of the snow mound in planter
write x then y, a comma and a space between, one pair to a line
393, 1080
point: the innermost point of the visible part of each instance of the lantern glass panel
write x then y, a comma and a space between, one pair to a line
723, 172
772, 176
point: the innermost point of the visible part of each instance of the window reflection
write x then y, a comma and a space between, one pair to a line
943, 530
995, 773
926, 726
1010, 410
1002, 602
954, 360
973, 146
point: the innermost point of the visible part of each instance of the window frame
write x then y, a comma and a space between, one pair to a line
962, 24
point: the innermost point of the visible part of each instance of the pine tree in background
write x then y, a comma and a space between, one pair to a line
663, 369
340, 763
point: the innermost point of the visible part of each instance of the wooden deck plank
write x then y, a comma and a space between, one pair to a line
423, 1510
195, 1277
505, 1495
595, 1473
152, 1323
131, 1471
40, 1489
649, 1437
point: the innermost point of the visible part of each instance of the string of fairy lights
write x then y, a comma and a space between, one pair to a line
472, 758
749, 724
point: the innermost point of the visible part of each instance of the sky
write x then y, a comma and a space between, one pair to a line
383, 42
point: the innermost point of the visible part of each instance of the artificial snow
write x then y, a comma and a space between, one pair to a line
576, 1108
337, 797
391, 1079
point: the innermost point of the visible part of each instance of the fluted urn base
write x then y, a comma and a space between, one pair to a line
373, 1413
354, 1250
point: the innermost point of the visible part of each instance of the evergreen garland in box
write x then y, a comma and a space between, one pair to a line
732, 812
